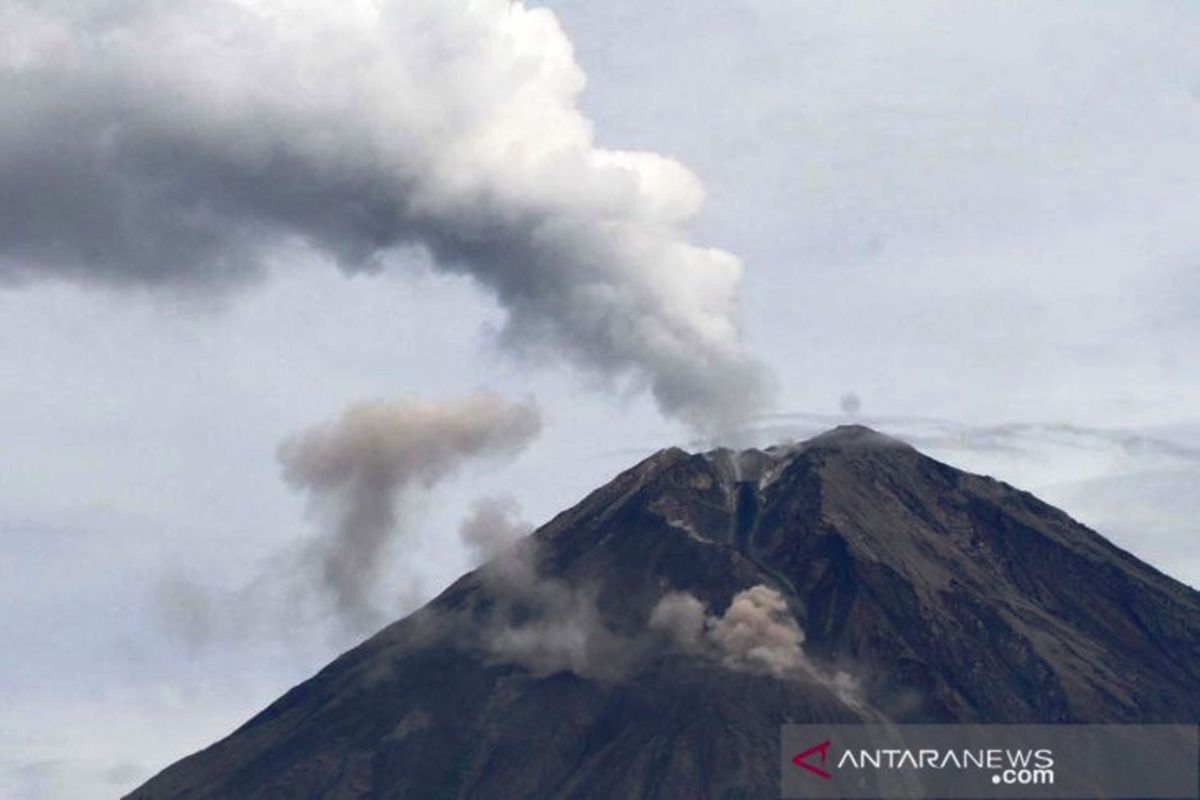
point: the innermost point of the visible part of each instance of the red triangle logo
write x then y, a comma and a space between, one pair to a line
801, 759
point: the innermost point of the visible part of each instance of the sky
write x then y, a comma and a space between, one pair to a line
254, 255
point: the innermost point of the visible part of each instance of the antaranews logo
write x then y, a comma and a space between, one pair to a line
822, 750
1011, 767
984, 761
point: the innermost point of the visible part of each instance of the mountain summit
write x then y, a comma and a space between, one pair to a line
650, 641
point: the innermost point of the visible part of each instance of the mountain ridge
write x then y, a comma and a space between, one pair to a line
883, 584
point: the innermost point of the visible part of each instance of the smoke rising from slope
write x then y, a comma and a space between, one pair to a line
757, 633
184, 144
493, 527
681, 617
545, 624
358, 468
548, 625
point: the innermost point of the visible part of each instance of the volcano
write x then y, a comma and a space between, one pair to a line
650, 641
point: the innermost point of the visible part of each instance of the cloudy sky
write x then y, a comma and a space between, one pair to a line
283, 281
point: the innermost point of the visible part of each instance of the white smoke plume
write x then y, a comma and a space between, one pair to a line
493, 527
358, 468
183, 145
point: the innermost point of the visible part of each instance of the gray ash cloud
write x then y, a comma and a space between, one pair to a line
205, 142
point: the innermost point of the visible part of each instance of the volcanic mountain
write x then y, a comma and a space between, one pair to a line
650, 641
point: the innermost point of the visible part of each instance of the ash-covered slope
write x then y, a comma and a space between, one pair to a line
645, 642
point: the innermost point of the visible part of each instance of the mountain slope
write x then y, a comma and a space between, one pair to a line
624, 650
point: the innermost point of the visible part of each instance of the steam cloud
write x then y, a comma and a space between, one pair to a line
205, 138
358, 468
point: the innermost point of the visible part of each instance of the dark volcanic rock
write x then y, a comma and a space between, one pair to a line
947, 597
